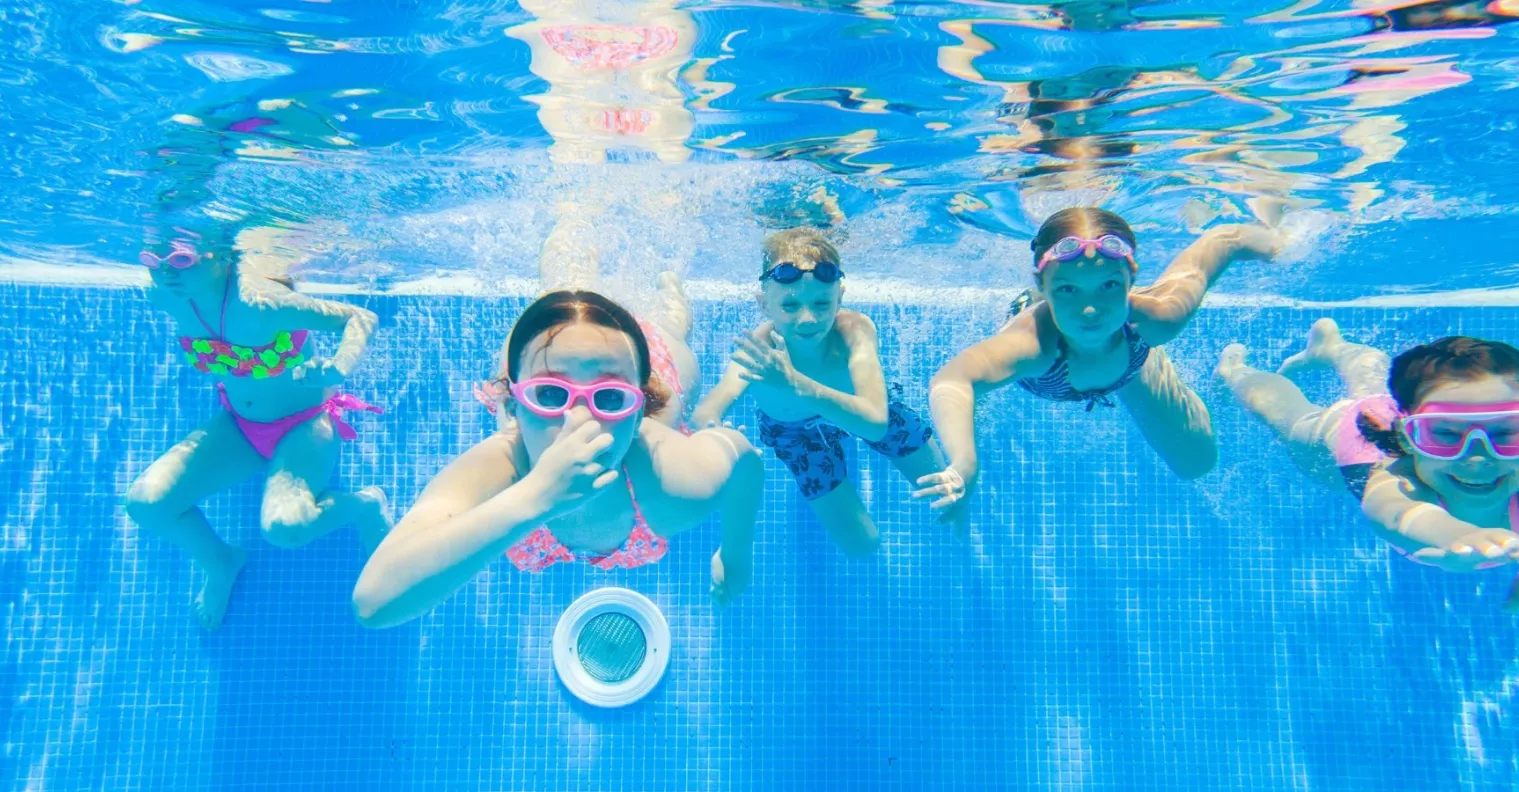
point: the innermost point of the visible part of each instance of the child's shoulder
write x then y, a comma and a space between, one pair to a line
847, 321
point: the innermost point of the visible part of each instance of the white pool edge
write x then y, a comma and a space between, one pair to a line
862, 290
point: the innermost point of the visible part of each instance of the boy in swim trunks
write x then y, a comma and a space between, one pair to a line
815, 371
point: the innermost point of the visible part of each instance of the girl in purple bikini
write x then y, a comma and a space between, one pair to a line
282, 416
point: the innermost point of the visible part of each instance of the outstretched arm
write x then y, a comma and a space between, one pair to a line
1161, 310
1408, 514
720, 399
463, 520
714, 469
1012, 354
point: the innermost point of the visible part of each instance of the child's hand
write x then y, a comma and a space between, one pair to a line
731, 576
567, 471
317, 373
767, 364
952, 490
1483, 549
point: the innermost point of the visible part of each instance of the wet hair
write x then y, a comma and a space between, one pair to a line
556, 310
1083, 221
805, 242
1423, 368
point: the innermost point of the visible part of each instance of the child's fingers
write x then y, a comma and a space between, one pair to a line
604, 479
746, 345
929, 491
746, 360
576, 422
1488, 548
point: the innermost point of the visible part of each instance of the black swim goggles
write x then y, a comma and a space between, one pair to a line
787, 272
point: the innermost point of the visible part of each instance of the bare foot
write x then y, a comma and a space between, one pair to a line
677, 308
1231, 361
376, 524
1323, 342
211, 603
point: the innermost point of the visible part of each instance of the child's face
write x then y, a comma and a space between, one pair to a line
1088, 297
205, 274
582, 354
803, 312
1478, 479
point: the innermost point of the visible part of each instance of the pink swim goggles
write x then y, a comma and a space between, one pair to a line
1108, 246
1447, 431
552, 397
182, 255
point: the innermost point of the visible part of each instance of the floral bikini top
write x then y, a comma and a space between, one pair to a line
216, 356
540, 549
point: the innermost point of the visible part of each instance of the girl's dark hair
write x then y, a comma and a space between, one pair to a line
555, 310
1419, 370
1083, 221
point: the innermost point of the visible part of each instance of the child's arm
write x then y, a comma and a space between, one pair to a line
718, 400
863, 413
469, 515
714, 469
1008, 356
295, 310
1408, 514
1162, 310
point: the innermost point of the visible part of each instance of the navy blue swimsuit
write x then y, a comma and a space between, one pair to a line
1055, 384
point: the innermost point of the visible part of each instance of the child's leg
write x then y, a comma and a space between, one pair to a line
674, 315
673, 321
1279, 403
814, 454
1272, 397
299, 508
846, 519
1362, 368
163, 502
1171, 417
570, 257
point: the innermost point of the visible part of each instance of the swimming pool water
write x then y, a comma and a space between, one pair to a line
1105, 627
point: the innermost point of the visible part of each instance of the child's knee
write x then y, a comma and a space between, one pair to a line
147, 502
287, 517
1196, 462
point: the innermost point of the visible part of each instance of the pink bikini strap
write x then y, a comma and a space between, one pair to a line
226, 293
637, 512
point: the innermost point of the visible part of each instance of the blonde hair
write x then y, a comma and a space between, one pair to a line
805, 243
